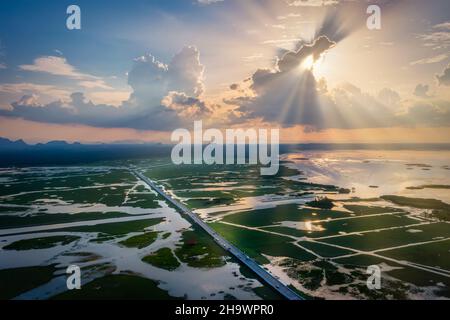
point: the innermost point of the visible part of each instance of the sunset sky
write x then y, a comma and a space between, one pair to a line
139, 69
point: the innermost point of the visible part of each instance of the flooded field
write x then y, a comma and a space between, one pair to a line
122, 235
316, 226
326, 216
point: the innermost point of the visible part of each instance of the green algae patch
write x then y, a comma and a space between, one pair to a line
16, 281
117, 228
198, 250
40, 243
117, 287
140, 241
163, 258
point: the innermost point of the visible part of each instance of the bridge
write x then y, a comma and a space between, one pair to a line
262, 273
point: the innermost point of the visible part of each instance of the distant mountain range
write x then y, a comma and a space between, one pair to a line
19, 144
19, 153
8, 143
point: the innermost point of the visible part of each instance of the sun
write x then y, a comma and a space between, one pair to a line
315, 66
308, 63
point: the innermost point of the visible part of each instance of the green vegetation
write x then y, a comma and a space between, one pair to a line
417, 202
288, 212
9, 221
359, 260
117, 228
200, 203
391, 238
367, 210
335, 227
40, 243
302, 294
323, 249
441, 210
198, 250
430, 186
403, 273
16, 281
422, 279
255, 243
163, 258
267, 293
107, 187
309, 276
436, 254
321, 202
140, 241
117, 287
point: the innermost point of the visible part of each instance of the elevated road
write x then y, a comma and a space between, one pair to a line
268, 278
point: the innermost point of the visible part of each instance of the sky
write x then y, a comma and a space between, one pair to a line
138, 69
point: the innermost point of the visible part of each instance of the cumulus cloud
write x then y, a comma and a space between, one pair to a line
45, 91
164, 96
184, 105
444, 78
442, 26
185, 72
421, 90
389, 97
432, 114
292, 59
289, 95
79, 110
152, 79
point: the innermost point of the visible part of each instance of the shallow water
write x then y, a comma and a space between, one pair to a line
194, 283
374, 173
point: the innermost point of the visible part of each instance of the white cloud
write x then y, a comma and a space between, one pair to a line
208, 1
163, 96
437, 40
34, 89
444, 78
312, 3
56, 66
290, 15
435, 59
91, 84
114, 98
59, 66
444, 25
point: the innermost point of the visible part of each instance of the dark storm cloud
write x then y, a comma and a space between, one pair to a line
290, 95
293, 59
